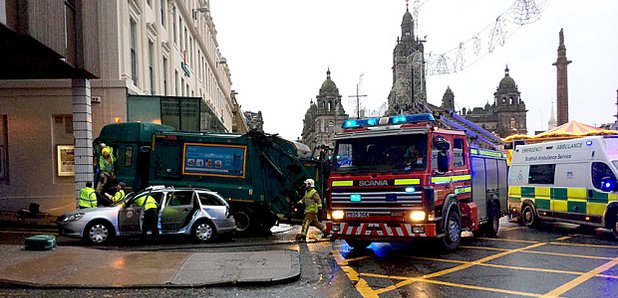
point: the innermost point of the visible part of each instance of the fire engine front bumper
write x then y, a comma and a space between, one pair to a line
381, 231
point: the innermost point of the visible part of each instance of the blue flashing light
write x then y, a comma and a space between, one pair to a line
373, 121
350, 124
355, 198
410, 189
588, 143
411, 118
360, 123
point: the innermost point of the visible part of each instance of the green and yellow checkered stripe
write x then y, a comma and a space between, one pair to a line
571, 200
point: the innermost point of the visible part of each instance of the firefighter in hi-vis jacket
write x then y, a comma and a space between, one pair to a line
313, 203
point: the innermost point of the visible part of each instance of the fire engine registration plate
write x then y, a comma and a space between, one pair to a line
357, 214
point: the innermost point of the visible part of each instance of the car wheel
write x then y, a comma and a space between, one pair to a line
98, 232
491, 227
243, 220
358, 244
528, 216
203, 231
452, 231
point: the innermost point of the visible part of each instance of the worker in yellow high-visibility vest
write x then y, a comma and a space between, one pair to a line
151, 218
313, 203
87, 197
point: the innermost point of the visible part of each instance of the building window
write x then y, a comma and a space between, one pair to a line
176, 83
163, 14
151, 72
174, 25
133, 42
165, 76
71, 30
4, 136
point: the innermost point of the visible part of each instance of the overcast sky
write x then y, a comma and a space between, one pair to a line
278, 52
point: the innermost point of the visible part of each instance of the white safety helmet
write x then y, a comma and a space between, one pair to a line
310, 183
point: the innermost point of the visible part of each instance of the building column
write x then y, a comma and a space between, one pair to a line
82, 129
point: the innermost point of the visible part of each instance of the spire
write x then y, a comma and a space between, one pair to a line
407, 4
328, 73
506, 71
552, 119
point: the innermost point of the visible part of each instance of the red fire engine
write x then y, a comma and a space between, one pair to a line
398, 178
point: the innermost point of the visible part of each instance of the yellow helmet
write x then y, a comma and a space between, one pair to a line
106, 150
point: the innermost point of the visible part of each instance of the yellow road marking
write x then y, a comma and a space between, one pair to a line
355, 259
501, 266
385, 276
508, 240
456, 268
563, 238
512, 229
585, 245
361, 284
581, 279
537, 252
483, 248
480, 288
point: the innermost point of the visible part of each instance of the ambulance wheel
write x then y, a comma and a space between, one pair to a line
98, 232
528, 216
615, 227
452, 232
493, 224
358, 244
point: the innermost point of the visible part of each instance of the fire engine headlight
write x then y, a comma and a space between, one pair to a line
337, 214
417, 215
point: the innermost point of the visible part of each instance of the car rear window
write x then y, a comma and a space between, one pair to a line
208, 199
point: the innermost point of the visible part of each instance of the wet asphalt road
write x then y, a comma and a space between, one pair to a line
554, 260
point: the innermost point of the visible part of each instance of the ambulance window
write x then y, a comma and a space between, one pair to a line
458, 153
599, 171
542, 174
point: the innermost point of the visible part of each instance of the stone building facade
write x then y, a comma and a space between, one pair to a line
409, 86
324, 117
506, 116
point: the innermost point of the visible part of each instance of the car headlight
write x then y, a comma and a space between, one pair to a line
337, 214
417, 215
73, 217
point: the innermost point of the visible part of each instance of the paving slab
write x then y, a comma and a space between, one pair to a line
82, 267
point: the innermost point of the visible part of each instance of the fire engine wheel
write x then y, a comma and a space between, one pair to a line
452, 231
493, 224
528, 216
358, 244
243, 220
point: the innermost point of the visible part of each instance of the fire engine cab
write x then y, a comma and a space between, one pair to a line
398, 178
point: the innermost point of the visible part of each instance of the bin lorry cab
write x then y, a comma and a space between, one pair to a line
398, 178
259, 175
569, 181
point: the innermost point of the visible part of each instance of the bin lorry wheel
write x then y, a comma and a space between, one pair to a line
203, 231
358, 244
244, 220
528, 216
452, 232
98, 232
493, 224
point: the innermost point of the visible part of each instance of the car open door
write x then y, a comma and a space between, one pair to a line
178, 210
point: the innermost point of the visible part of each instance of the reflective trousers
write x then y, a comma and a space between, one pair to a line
311, 219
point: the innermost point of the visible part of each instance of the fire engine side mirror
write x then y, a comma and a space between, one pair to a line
442, 145
443, 162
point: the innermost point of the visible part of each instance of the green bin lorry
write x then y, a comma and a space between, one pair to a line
260, 175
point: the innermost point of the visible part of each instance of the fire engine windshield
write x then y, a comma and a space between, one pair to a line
399, 153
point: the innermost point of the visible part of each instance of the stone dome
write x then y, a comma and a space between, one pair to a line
507, 82
328, 86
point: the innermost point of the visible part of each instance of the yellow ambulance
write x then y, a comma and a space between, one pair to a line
569, 180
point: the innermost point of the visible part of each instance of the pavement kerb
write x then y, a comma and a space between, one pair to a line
196, 246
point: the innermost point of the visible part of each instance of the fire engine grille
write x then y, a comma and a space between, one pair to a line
378, 198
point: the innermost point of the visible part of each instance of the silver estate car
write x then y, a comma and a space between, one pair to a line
200, 213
